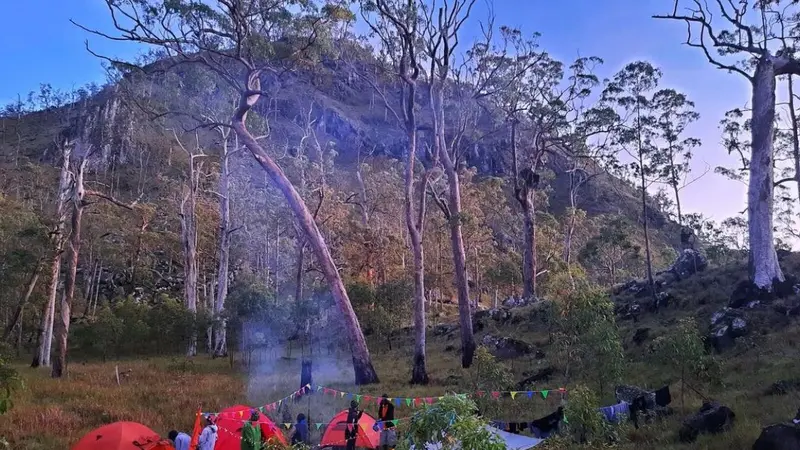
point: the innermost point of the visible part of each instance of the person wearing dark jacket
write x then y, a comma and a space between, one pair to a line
300, 435
351, 430
386, 420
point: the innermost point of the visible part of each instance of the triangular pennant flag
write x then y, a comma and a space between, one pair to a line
409, 401
319, 388
513, 395
287, 425
429, 400
544, 394
367, 398
481, 394
358, 398
261, 409
395, 421
341, 394
319, 425
440, 398
279, 403
562, 390
495, 395
530, 394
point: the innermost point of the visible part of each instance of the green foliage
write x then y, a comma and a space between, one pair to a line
452, 422
584, 422
383, 309
682, 349
9, 382
589, 337
611, 251
489, 374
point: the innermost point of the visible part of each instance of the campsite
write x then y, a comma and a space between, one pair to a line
399, 224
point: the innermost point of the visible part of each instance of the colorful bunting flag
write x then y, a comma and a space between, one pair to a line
530, 394
544, 394
513, 395
409, 401
495, 395
341, 394
481, 394
319, 425
398, 402
358, 398
287, 425
395, 421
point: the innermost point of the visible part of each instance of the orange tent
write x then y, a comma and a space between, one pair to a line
123, 436
367, 436
230, 421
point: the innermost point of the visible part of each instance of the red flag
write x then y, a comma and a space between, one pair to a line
197, 430
481, 394
495, 395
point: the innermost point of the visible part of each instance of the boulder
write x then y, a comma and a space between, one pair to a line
541, 375
712, 418
518, 302
444, 329
688, 263
506, 347
628, 393
746, 292
783, 387
727, 324
779, 436
641, 335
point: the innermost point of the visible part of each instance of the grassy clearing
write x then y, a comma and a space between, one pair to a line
165, 393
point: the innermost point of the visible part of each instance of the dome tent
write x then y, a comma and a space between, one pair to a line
123, 436
334, 433
229, 422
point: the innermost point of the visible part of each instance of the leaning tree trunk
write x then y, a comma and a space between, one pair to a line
362, 363
763, 259
16, 319
57, 238
220, 334
60, 364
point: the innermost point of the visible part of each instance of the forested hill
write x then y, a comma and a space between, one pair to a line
329, 129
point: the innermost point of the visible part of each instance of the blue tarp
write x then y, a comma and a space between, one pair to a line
513, 441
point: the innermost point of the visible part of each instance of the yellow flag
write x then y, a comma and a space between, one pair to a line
341, 394
513, 395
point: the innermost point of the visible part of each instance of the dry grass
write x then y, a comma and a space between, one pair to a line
165, 393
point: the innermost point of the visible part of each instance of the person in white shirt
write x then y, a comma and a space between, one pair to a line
208, 438
180, 440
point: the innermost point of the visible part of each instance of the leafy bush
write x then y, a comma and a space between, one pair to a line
452, 422
584, 422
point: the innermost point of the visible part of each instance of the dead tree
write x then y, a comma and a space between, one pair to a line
240, 42
730, 34
57, 237
188, 217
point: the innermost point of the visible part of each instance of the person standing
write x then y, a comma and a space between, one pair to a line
208, 438
251, 433
300, 435
351, 430
386, 417
180, 440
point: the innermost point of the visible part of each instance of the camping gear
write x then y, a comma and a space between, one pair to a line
544, 427
663, 396
335, 433
615, 413
230, 420
123, 436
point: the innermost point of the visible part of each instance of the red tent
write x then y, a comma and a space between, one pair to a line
122, 436
231, 420
367, 436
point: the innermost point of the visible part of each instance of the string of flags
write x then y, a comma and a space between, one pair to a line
399, 401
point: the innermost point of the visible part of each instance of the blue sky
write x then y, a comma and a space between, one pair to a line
40, 45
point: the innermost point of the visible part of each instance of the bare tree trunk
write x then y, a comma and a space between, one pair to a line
188, 216
16, 319
795, 136
57, 237
298, 279
456, 238
220, 334
763, 259
60, 365
362, 363
529, 252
